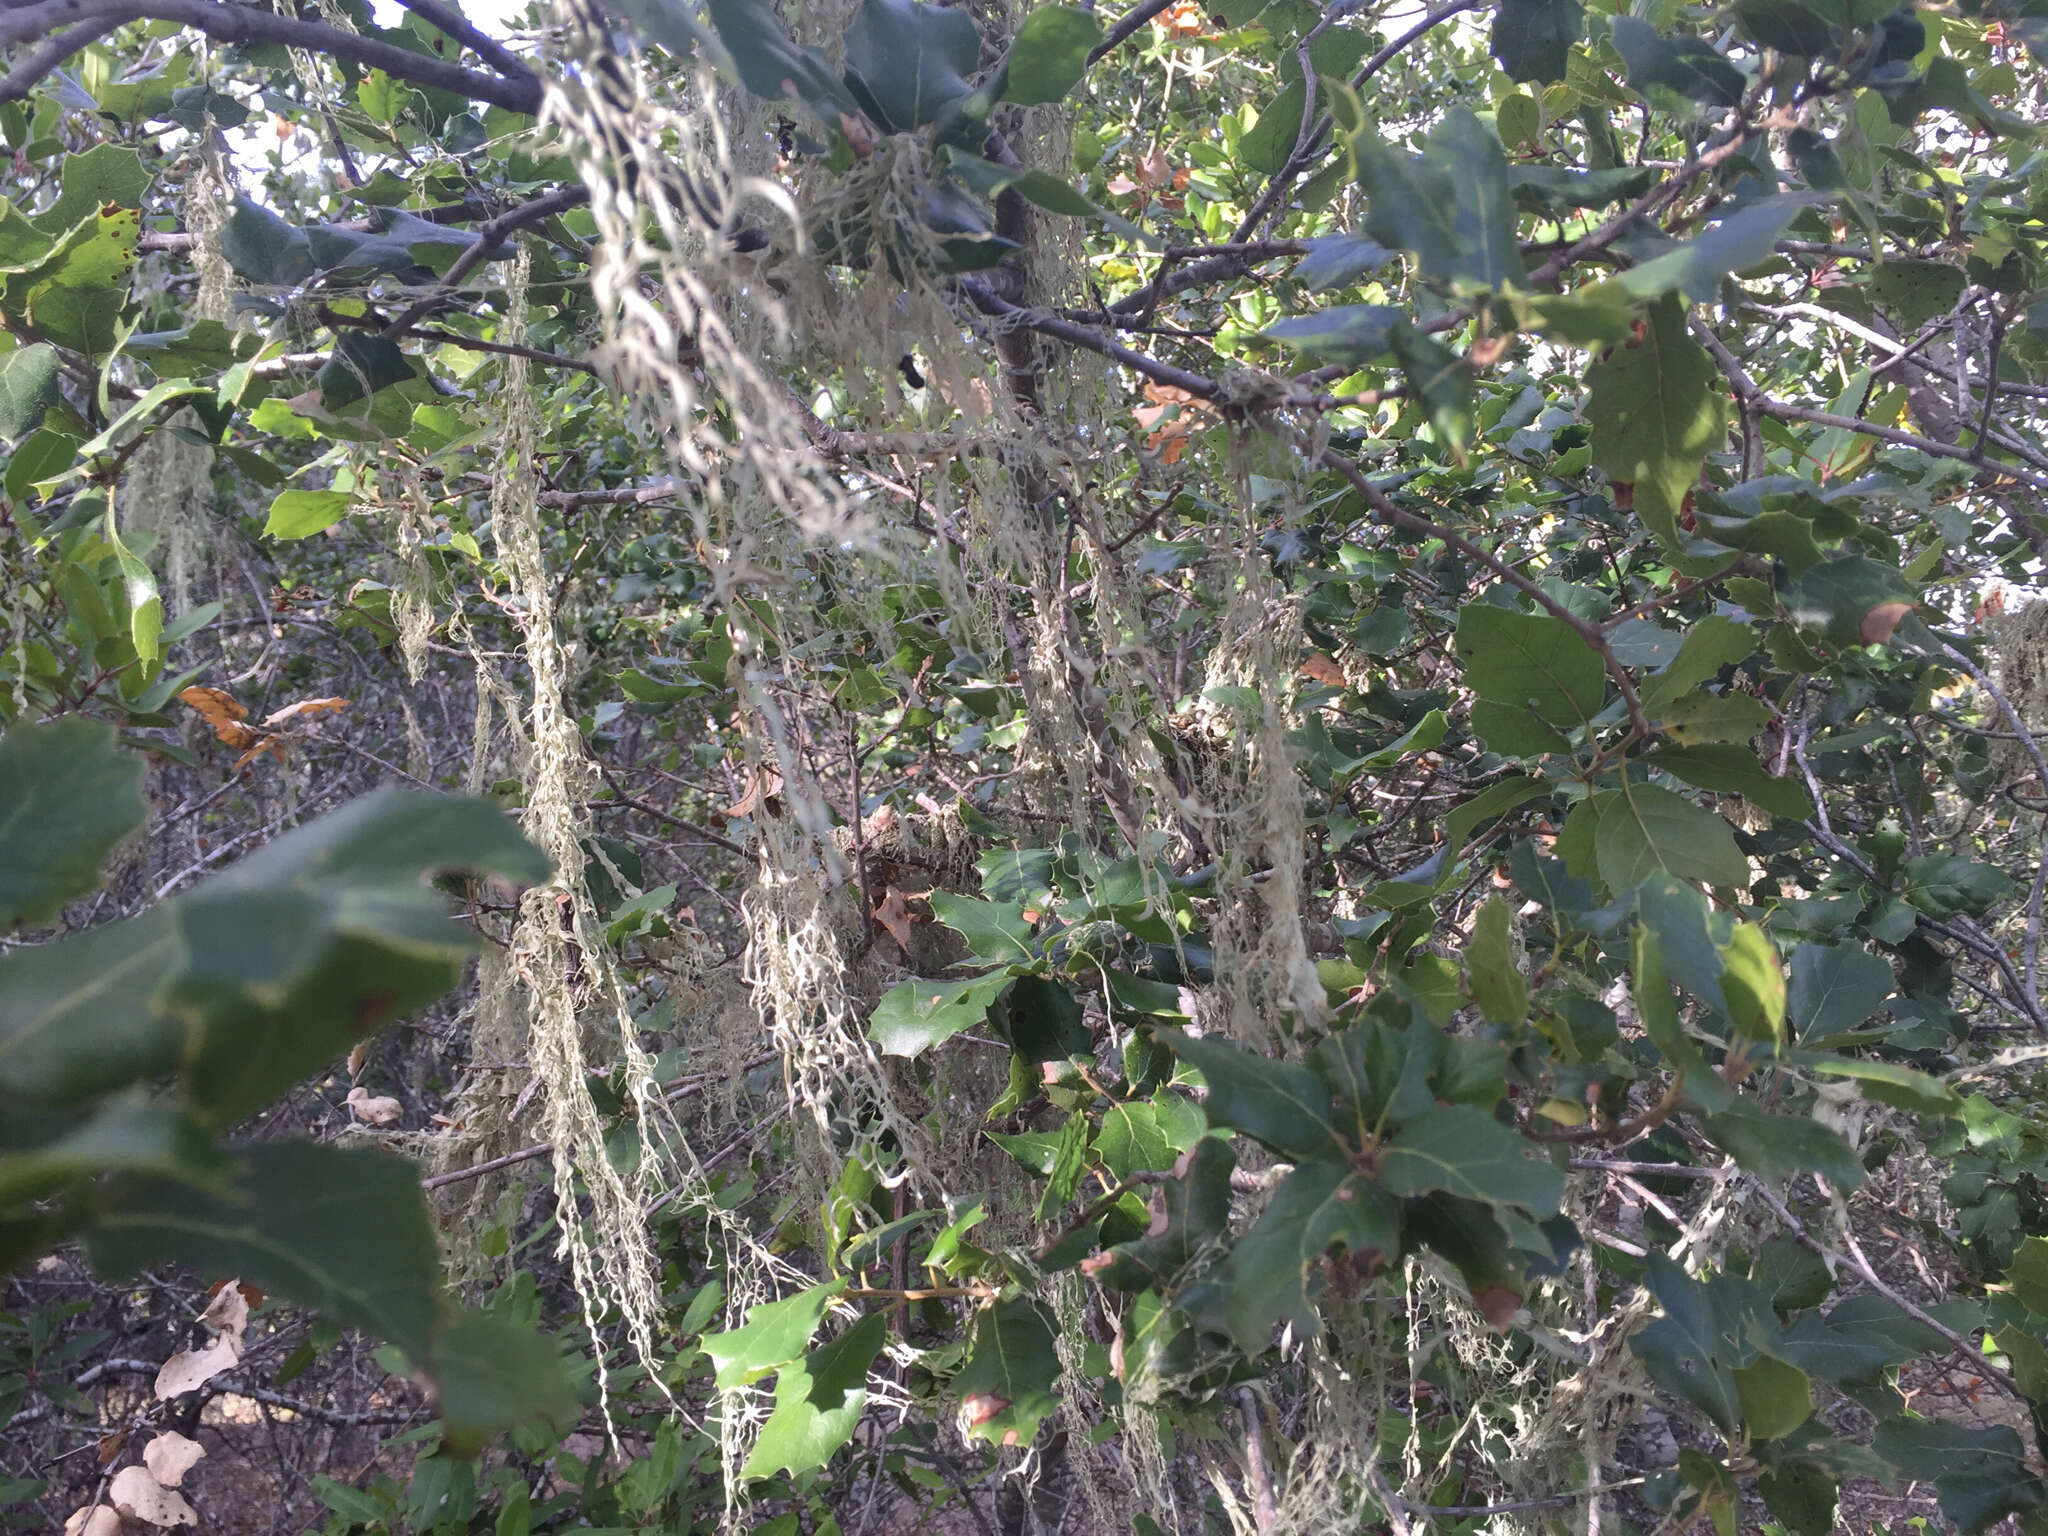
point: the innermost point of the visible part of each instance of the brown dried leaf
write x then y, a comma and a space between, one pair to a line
1154, 169
980, 1407
893, 913
306, 707
1319, 668
1498, 1304
227, 1311
214, 705
1878, 624
111, 1447
275, 745
190, 1369
374, 1109
170, 1456
138, 1496
359, 1054
861, 135
764, 786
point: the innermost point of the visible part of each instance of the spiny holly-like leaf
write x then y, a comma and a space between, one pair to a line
68, 794
1979, 1475
1276, 1102
915, 1015
1006, 1386
774, 1334
1464, 1151
818, 1402
1190, 1213
1657, 410
1275, 1270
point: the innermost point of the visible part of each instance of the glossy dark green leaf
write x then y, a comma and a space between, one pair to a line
1275, 1102
342, 1230
915, 1015
1006, 1386
1351, 334
1787, 26
1657, 409
818, 1402
1687, 66
263, 249
28, 388
1463, 1151
1642, 831
1532, 38
1532, 663
909, 61
1708, 1332
1781, 1145
68, 794
1944, 884
1050, 54
1835, 987
491, 1375
1979, 1475
1450, 205
1275, 1270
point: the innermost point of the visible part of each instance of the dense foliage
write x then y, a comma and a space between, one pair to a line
1241, 768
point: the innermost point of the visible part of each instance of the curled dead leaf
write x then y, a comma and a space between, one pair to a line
190, 1369
111, 1447
892, 912
1498, 1304
138, 1496
374, 1109
224, 713
170, 1456
1318, 668
1154, 169
977, 1408
227, 1310
306, 707
861, 135
1879, 622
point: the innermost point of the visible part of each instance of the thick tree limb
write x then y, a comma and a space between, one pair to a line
244, 24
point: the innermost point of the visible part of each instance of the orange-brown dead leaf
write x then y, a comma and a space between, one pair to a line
1879, 622
274, 745
764, 787
306, 707
1154, 169
892, 912
220, 710
1318, 668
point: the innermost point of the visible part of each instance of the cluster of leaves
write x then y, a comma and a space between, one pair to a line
1638, 811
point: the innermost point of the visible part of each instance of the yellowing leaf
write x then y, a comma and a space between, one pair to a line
170, 1456
140, 1497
